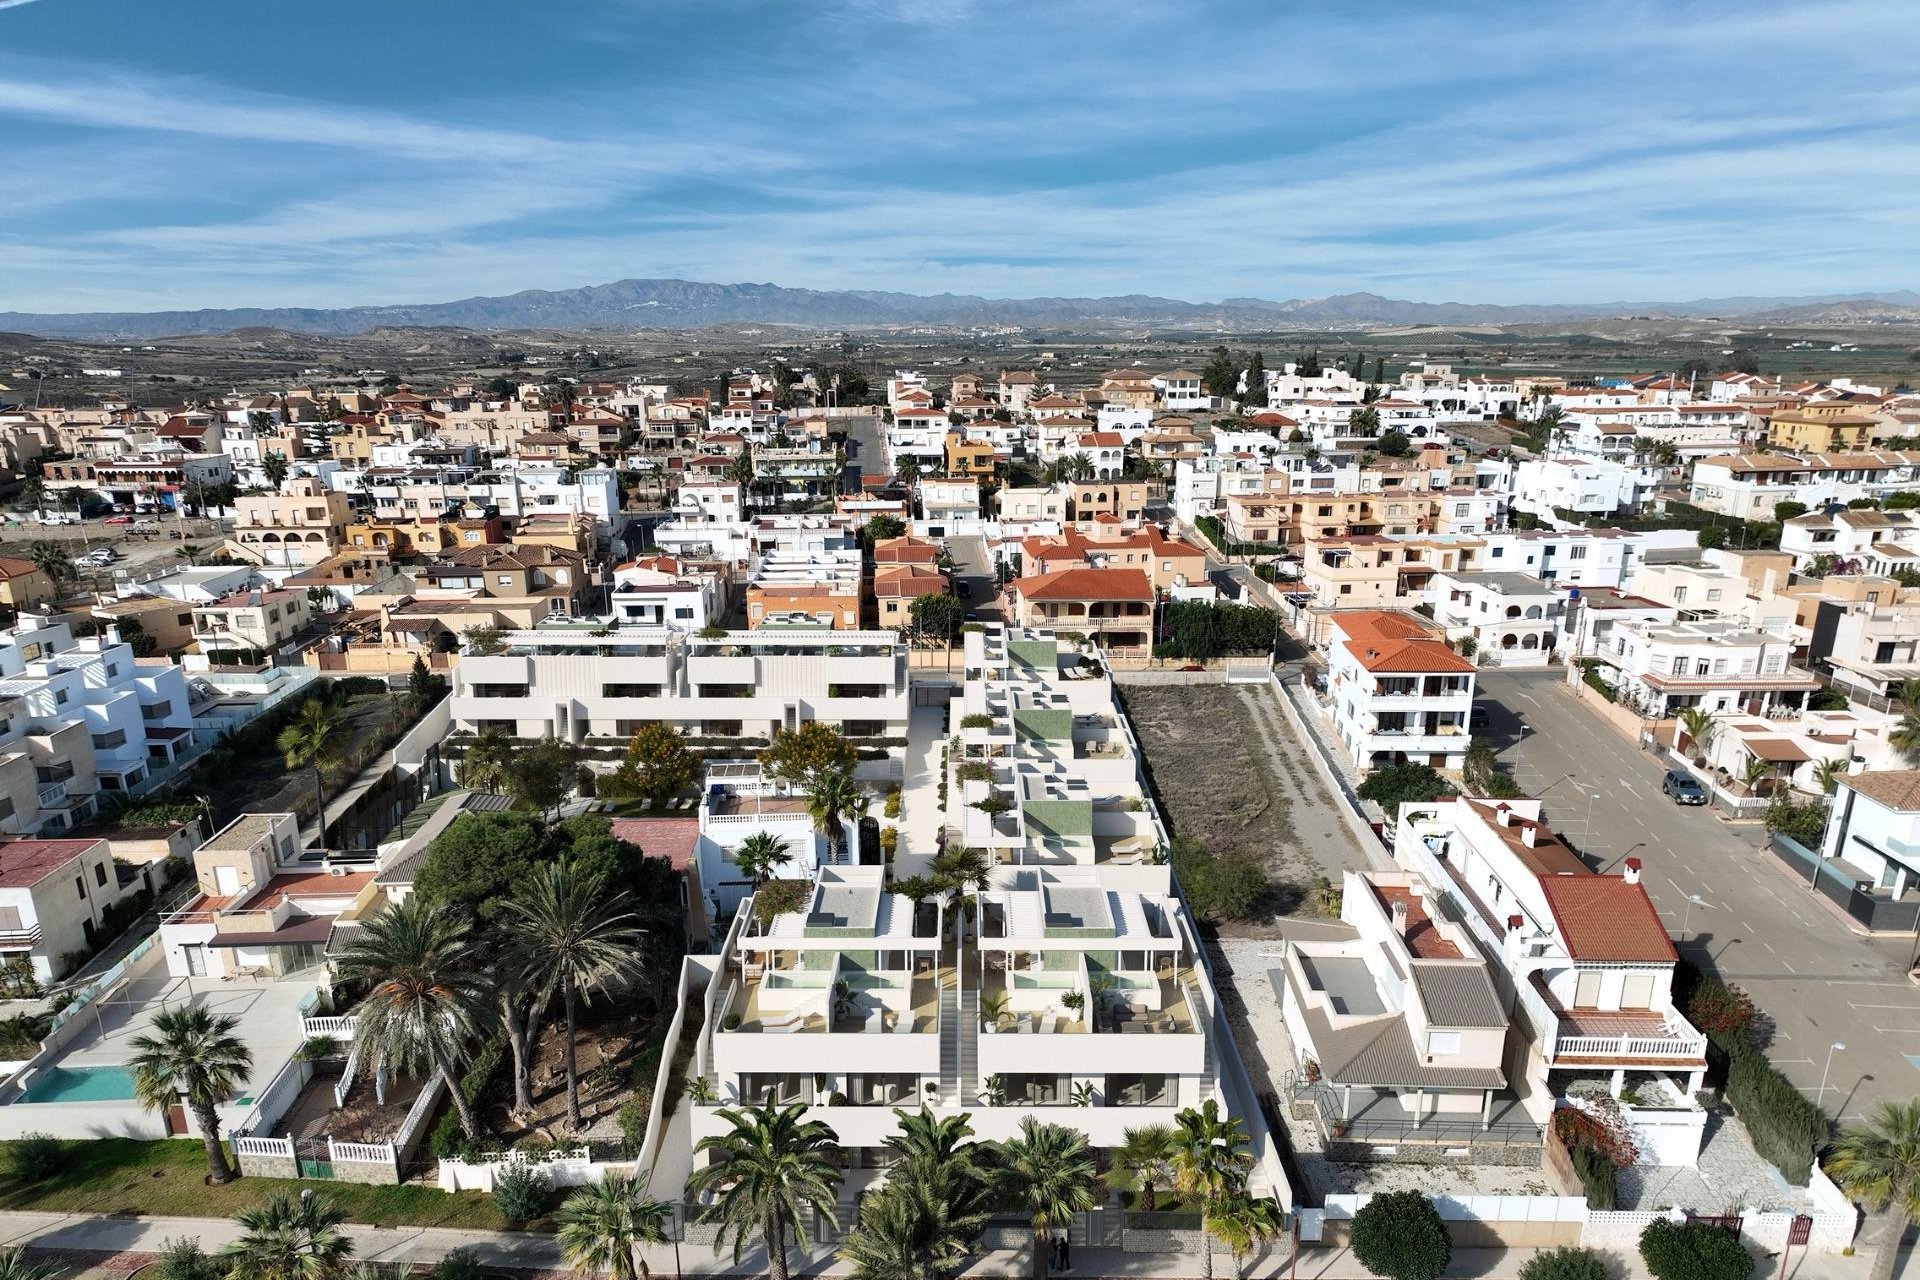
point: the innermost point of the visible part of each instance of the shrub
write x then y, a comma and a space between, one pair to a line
521, 1193
1719, 1010
1693, 1251
1566, 1263
632, 1118
34, 1157
1399, 1235
1784, 1126
184, 1259
892, 806
1218, 886
974, 771
447, 1141
1598, 1178
1402, 784
460, 1264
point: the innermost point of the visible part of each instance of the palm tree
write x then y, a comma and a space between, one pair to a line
1078, 466
487, 764
1910, 692
1755, 772
274, 467
317, 736
923, 1225
1245, 1224
1905, 736
1144, 1161
769, 1169
189, 553
759, 854
1050, 1169
605, 1225
192, 1054
52, 559
909, 469
289, 1238
1700, 727
428, 998
1211, 1163
936, 1140
835, 795
1829, 772
576, 939
740, 471
1879, 1165
14, 1266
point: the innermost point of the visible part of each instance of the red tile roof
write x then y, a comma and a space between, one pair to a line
1087, 584
1605, 918
1392, 642
671, 838
24, 863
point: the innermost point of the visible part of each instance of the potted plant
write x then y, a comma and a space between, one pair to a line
993, 1091
993, 1010
1074, 1000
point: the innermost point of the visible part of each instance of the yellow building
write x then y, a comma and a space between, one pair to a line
23, 584
1821, 428
968, 457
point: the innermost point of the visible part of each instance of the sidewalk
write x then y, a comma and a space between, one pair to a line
113, 1235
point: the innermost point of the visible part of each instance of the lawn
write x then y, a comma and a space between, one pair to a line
122, 1176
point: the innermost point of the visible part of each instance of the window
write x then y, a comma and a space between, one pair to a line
60, 697
1713, 594
1140, 1091
80, 887
100, 873
1679, 595
109, 741
1577, 551
1443, 1044
1498, 553
113, 670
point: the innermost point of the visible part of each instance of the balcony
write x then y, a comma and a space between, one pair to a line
1609, 1037
23, 939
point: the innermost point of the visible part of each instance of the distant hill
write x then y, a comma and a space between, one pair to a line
688, 304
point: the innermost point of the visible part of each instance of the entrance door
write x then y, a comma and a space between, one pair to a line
226, 881
177, 1121
195, 956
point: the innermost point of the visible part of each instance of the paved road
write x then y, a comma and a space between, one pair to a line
973, 577
866, 453
1814, 978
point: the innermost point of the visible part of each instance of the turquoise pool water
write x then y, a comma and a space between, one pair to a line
80, 1084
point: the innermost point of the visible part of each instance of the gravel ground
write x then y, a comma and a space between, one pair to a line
1730, 1177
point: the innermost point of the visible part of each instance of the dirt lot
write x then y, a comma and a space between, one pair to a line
1233, 777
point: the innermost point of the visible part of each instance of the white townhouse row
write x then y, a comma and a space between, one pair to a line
1747, 486
1854, 541
596, 679
1070, 985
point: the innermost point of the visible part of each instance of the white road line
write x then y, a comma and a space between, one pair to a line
1769, 947
1880, 1006
1907, 1030
1789, 968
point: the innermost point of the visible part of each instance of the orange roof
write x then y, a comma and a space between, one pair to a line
1103, 440
908, 580
1393, 642
1605, 918
1086, 584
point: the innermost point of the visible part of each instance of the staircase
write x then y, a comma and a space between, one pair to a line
949, 1046
1209, 1067
969, 1079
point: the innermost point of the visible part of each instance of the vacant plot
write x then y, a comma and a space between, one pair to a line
1234, 778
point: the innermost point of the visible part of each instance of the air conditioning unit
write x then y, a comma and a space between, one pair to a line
337, 871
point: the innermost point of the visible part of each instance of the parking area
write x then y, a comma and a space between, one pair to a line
1817, 982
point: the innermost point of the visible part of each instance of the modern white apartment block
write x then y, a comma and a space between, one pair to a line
1399, 694
660, 591
738, 801
1569, 557
1071, 988
578, 681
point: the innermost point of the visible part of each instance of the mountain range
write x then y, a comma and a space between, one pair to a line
688, 304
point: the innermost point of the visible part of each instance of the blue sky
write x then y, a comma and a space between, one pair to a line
267, 152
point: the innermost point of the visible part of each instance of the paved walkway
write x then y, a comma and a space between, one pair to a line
538, 1252
920, 793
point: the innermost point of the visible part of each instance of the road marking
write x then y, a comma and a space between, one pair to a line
1789, 968
1880, 1006
1904, 1030
1769, 947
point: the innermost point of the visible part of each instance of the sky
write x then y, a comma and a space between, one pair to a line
197, 153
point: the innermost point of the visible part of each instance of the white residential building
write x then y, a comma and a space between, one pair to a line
1874, 830
1398, 694
1718, 665
1543, 486
1568, 557
53, 898
660, 591
1513, 619
1181, 392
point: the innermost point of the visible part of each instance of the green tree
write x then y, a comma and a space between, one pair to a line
53, 559
1878, 1164
1245, 1223
606, 1226
759, 854
799, 756
1221, 377
1697, 1251
831, 798
541, 776
1564, 1263
1399, 1235
883, 527
937, 616
924, 1224
274, 467
1401, 784
572, 938
1256, 393
423, 687
1144, 1161
1210, 1163
768, 1170
1785, 511
1700, 727
1711, 537
191, 1056
476, 862
289, 1238
658, 765
1905, 736
1394, 444
1049, 1170
316, 737
1365, 422
427, 996
1218, 886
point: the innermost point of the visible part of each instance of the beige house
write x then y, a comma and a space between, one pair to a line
249, 620
1113, 607
23, 584
301, 525
53, 897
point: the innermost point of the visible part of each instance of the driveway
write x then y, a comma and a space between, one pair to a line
1814, 979
973, 577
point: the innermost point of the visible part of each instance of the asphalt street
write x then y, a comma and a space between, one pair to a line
1754, 924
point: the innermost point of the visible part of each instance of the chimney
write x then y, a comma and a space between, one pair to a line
1505, 813
1632, 874
1400, 915
1530, 834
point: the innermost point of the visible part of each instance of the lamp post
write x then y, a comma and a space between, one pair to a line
1686, 918
1837, 1046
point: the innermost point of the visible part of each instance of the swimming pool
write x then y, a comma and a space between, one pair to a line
80, 1084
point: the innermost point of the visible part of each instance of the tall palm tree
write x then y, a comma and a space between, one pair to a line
833, 796
1905, 736
428, 998
574, 939
1144, 1161
487, 764
289, 1238
1700, 727
52, 559
759, 854
1910, 692
770, 1168
1879, 1165
1244, 1223
274, 467
937, 1140
922, 1225
1050, 1169
14, 1266
192, 1055
1211, 1164
1078, 467
316, 737
909, 469
606, 1225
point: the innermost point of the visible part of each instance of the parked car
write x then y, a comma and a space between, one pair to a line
102, 555
1194, 666
1683, 788
118, 520
58, 517
1479, 717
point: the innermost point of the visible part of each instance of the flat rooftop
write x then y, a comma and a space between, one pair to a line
1348, 984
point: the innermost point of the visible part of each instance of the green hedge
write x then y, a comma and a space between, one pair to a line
1785, 1128
448, 1142
1598, 1178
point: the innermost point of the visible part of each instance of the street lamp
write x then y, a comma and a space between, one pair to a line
1686, 918
1837, 1046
